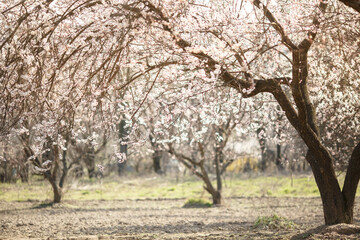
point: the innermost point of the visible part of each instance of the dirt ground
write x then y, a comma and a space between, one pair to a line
166, 219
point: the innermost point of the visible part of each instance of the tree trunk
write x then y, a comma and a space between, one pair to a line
157, 155
337, 204
351, 182
262, 142
65, 168
90, 161
278, 162
24, 172
52, 154
6, 173
123, 137
330, 192
51, 177
216, 196
219, 158
56, 190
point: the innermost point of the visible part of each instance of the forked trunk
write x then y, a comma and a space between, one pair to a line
215, 193
337, 205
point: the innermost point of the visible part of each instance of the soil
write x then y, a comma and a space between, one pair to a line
167, 219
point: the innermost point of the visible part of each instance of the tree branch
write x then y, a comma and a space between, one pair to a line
355, 4
185, 160
276, 25
250, 88
226, 165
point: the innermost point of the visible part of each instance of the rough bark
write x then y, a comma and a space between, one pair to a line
330, 192
351, 182
355, 4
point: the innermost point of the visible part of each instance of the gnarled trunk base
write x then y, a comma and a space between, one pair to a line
216, 196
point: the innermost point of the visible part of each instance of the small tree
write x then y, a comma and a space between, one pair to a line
196, 138
196, 162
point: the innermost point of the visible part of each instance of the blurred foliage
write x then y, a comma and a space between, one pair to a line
245, 163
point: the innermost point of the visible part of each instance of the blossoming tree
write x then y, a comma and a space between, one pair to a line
56, 55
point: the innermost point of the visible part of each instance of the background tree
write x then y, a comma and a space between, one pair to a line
196, 137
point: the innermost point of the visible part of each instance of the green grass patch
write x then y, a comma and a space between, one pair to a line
160, 187
197, 203
274, 222
275, 186
20, 192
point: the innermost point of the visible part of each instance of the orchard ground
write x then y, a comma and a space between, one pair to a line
152, 208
